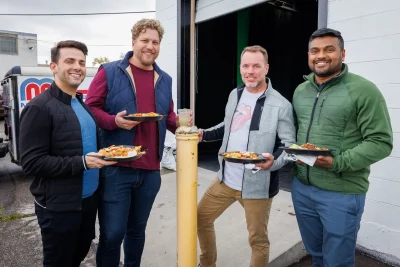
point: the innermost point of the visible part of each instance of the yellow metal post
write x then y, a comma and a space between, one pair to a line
186, 187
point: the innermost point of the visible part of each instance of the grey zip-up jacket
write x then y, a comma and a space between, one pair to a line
272, 120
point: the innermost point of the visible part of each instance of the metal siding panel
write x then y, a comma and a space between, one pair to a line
373, 49
208, 9
387, 169
166, 12
396, 146
367, 27
381, 213
391, 93
386, 191
379, 72
394, 114
342, 10
379, 232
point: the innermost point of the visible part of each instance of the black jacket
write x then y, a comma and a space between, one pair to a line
50, 144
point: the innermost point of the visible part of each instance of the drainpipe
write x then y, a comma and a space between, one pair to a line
186, 189
322, 14
186, 172
192, 55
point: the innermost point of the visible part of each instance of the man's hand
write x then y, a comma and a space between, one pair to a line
268, 164
201, 133
190, 122
324, 162
96, 163
123, 123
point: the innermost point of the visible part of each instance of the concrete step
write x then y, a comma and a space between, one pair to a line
232, 236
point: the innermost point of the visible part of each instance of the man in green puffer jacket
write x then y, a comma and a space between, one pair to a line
345, 112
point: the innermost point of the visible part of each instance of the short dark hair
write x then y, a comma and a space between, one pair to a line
55, 51
327, 32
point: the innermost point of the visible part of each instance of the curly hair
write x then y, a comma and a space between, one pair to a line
144, 24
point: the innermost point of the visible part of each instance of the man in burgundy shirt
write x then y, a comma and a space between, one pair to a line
134, 84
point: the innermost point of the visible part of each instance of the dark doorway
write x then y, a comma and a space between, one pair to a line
216, 77
282, 32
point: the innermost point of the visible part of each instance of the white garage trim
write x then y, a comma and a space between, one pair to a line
209, 9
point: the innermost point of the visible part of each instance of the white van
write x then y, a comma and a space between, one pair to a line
19, 86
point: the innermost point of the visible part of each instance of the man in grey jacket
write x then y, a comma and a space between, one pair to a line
255, 116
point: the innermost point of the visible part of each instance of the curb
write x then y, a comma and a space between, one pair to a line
290, 256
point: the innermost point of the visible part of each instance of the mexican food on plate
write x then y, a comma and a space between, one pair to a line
308, 149
150, 116
245, 157
122, 153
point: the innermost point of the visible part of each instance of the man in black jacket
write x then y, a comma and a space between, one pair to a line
57, 131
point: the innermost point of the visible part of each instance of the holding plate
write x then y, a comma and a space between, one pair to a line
120, 153
243, 157
151, 116
308, 149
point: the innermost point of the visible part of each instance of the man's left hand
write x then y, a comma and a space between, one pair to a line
268, 164
324, 162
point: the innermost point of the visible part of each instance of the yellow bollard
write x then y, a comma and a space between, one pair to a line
186, 187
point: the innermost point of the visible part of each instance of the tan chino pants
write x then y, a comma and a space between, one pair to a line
214, 202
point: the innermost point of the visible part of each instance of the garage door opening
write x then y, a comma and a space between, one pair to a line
283, 32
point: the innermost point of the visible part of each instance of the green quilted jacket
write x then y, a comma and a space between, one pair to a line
347, 114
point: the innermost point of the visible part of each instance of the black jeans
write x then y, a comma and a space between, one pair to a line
67, 235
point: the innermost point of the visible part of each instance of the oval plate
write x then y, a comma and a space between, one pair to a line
310, 152
143, 151
144, 118
260, 159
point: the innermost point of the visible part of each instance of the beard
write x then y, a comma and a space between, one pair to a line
146, 61
327, 72
253, 84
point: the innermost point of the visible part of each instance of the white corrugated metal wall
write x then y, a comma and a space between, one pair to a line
166, 13
371, 30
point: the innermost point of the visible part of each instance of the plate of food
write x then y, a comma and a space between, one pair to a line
150, 116
308, 149
244, 157
121, 153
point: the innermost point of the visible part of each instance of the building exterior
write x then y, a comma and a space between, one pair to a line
371, 30
17, 49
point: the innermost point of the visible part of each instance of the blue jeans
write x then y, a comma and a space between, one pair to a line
127, 198
328, 222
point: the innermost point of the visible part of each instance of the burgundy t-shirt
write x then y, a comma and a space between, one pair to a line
147, 136
146, 133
